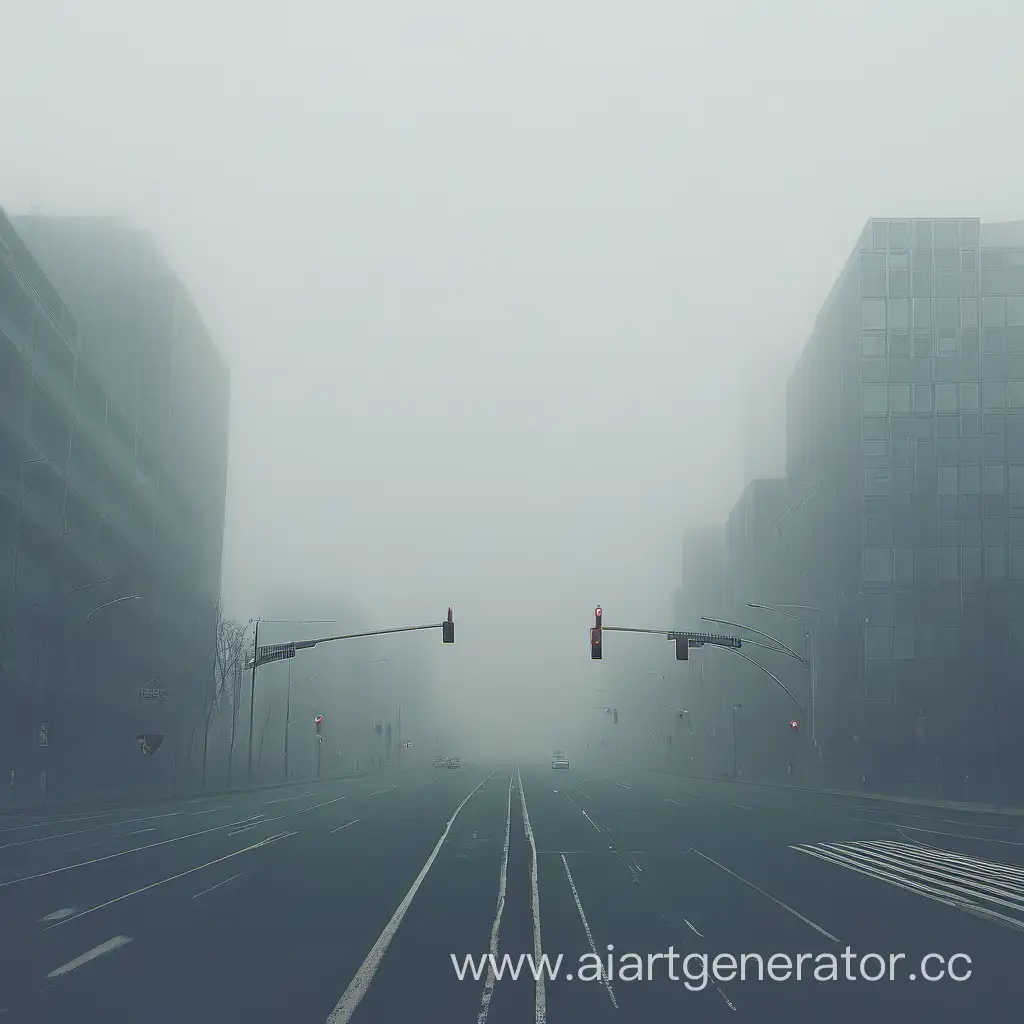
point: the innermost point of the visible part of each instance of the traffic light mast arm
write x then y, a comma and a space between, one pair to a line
714, 639
301, 645
779, 645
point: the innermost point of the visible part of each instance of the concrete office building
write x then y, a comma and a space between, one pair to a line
905, 455
113, 449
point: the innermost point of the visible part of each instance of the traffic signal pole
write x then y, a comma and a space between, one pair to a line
280, 652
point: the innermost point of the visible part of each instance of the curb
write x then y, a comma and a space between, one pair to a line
949, 805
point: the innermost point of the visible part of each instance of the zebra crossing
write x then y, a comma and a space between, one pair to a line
986, 888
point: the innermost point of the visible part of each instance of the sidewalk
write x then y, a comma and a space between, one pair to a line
934, 802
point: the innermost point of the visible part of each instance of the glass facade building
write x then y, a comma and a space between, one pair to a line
903, 537
113, 449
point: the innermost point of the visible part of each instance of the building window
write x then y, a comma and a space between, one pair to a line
970, 479
903, 646
899, 398
878, 608
972, 563
875, 428
899, 371
948, 480
872, 261
1015, 312
1016, 488
995, 563
872, 283
904, 565
872, 346
876, 481
993, 394
970, 396
877, 642
873, 398
874, 371
873, 314
899, 314
922, 350
922, 398
1015, 393
994, 480
1017, 562
994, 449
899, 234
877, 565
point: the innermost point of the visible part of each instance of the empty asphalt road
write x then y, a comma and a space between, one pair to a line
345, 901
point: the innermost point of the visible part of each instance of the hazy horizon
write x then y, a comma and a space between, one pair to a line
495, 291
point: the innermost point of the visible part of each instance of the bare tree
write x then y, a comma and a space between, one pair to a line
225, 686
236, 647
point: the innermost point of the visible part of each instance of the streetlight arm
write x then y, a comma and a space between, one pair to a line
777, 680
779, 611
107, 604
780, 646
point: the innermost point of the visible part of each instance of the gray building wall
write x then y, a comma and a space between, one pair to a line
110, 536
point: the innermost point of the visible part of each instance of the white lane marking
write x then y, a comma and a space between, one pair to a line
138, 832
637, 866
57, 915
583, 812
728, 1002
217, 886
360, 983
540, 1001
172, 878
623, 785
246, 828
605, 980
82, 831
288, 799
346, 825
211, 810
692, 929
669, 799
72, 819
423, 785
104, 947
379, 791
743, 807
774, 899
485, 999
112, 856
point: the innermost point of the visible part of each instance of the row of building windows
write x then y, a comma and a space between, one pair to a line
880, 428
990, 395
925, 234
930, 565
948, 480
922, 369
913, 530
898, 314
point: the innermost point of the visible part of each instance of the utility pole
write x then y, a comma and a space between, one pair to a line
287, 718
735, 708
252, 689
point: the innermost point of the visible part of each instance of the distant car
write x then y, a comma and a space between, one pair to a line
439, 762
454, 762
560, 762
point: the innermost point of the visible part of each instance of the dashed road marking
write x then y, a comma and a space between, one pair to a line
103, 948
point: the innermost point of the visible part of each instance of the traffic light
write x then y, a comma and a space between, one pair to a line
378, 727
595, 636
615, 716
319, 723
448, 629
794, 725
682, 648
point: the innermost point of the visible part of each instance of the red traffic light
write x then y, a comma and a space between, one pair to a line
319, 719
794, 724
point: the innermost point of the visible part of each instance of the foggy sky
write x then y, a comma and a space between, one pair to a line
493, 279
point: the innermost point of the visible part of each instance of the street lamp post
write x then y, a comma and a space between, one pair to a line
735, 708
401, 704
812, 661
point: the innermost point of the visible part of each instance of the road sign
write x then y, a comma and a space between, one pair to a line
152, 692
43, 734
